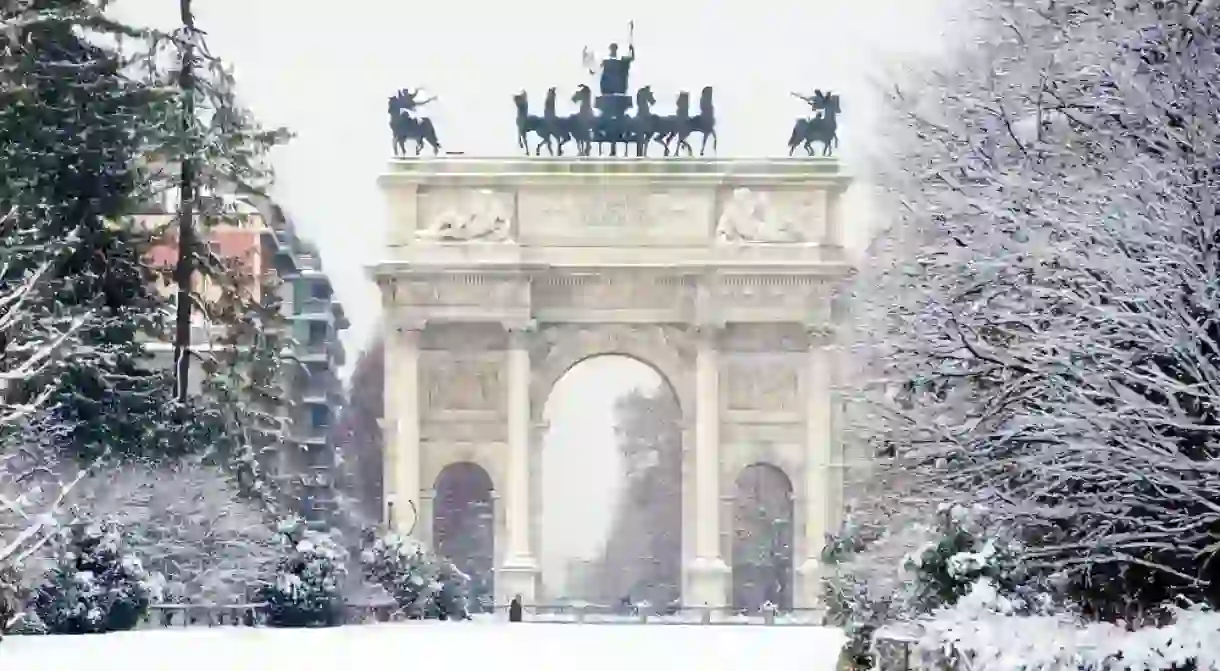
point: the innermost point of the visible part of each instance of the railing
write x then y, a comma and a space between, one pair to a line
255, 615
892, 646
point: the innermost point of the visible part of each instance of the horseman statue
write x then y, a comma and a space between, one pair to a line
822, 126
405, 126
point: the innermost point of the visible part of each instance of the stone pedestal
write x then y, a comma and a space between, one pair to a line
808, 583
708, 582
518, 578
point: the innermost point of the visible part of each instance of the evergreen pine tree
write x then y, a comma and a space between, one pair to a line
75, 127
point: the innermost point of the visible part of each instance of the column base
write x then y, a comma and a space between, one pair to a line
809, 589
517, 576
707, 583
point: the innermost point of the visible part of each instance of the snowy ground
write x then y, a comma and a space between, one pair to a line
435, 645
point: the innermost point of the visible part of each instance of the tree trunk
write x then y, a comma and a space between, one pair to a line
184, 270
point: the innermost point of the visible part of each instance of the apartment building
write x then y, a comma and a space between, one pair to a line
266, 241
317, 319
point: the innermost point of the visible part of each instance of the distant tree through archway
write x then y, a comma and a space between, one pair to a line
614, 446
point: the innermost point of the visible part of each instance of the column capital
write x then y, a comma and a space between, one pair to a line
709, 333
408, 331
819, 335
521, 334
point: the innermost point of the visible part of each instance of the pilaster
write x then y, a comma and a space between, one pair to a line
519, 570
708, 575
820, 502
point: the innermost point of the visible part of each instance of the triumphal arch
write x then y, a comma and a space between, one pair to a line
501, 274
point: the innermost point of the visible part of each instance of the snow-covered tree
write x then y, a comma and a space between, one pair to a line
306, 589
358, 434
190, 527
97, 584
1042, 337
425, 587
75, 129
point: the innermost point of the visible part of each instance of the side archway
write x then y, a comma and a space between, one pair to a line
463, 526
762, 538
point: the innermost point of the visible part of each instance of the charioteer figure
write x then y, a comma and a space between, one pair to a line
614, 100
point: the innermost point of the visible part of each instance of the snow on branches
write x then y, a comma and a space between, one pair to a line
1045, 304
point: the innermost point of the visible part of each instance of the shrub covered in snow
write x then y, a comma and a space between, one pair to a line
306, 590
966, 548
423, 586
96, 583
189, 524
985, 627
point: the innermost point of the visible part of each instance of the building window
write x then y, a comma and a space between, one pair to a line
317, 333
319, 416
319, 290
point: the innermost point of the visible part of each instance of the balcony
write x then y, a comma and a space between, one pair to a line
318, 386
314, 308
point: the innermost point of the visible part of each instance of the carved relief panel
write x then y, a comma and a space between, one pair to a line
620, 214
463, 384
768, 383
449, 214
747, 215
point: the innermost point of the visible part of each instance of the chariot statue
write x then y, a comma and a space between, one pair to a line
607, 118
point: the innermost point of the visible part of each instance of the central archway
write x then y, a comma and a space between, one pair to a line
611, 486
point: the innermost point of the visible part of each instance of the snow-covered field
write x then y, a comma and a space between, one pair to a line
436, 645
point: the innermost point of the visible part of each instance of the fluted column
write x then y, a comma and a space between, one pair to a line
820, 502
520, 566
708, 573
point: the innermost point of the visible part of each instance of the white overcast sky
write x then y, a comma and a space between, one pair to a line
324, 69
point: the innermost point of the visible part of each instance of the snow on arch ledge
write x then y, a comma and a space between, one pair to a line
460, 646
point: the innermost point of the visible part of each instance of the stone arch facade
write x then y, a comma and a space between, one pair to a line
655, 260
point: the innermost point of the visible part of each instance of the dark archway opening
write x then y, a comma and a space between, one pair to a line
762, 539
464, 528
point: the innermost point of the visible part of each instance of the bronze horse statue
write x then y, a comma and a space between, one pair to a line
822, 128
676, 126
547, 127
704, 123
405, 127
587, 128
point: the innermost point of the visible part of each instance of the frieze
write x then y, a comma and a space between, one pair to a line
795, 292
769, 383
607, 290
461, 290
463, 384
